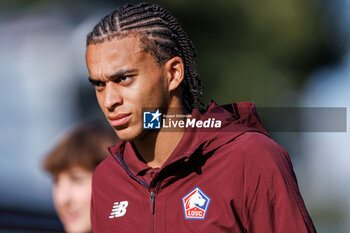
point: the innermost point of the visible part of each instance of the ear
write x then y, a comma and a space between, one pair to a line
174, 72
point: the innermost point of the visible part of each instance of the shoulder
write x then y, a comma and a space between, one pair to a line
258, 151
255, 141
263, 164
104, 169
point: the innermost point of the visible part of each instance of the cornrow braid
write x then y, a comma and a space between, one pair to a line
162, 36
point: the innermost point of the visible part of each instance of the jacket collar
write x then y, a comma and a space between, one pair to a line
236, 119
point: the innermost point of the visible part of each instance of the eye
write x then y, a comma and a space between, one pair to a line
125, 79
96, 83
79, 178
99, 84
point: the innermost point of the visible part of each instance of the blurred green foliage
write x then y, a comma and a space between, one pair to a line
256, 50
249, 50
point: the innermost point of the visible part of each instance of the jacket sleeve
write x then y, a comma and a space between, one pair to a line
93, 212
98, 209
271, 198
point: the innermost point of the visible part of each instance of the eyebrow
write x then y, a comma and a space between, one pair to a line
118, 74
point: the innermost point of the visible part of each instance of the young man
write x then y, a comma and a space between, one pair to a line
217, 171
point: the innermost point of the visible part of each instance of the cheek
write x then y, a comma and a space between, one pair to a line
55, 197
159, 95
57, 193
153, 93
60, 199
83, 202
99, 98
82, 195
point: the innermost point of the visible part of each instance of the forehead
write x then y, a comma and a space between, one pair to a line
117, 50
74, 169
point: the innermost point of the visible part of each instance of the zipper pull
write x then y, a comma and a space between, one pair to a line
152, 197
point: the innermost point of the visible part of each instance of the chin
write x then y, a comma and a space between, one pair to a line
128, 133
81, 224
77, 229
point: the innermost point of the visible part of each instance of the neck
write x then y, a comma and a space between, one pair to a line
156, 146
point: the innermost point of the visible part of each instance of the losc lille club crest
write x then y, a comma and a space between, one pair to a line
195, 204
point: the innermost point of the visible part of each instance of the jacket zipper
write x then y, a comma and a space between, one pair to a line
152, 195
152, 199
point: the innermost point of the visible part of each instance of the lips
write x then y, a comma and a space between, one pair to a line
120, 119
70, 218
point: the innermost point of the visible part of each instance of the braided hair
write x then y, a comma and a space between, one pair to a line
161, 35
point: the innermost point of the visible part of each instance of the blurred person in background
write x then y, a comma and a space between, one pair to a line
71, 164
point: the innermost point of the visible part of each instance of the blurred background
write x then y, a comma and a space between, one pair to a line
277, 53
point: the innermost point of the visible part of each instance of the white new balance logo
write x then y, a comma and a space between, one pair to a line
119, 209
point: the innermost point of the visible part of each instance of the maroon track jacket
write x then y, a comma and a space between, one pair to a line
236, 179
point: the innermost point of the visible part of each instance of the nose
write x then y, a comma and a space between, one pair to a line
113, 97
61, 194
